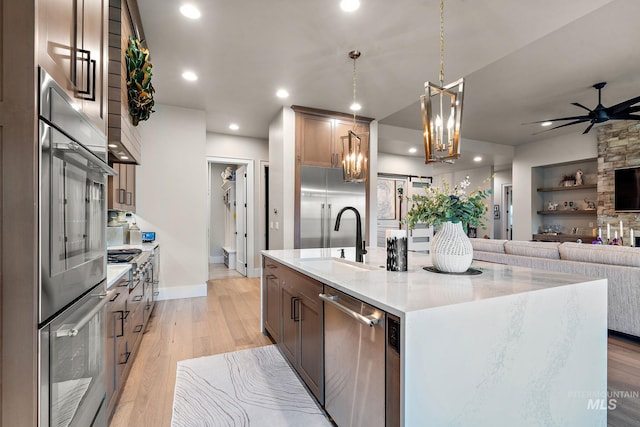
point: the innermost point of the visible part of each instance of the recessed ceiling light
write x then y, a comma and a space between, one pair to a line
113, 145
413, 150
234, 126
350, 5
477, 159
282, 93
124, 158
355, 107
190, 76
190, 11
545, 124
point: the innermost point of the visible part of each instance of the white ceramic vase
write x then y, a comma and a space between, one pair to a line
451, 249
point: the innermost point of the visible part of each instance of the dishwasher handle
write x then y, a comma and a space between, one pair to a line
333, 300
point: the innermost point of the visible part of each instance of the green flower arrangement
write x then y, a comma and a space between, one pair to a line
439, 205
139, 88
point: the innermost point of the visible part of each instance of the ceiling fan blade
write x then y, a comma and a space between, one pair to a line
588, 129
577, 104
561, 118
614, 109
582, 120
625, 117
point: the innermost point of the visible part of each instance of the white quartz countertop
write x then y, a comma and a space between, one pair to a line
115, 272
416, 289
144, 246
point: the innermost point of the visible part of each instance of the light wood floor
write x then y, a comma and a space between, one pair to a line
221, 271
228, 319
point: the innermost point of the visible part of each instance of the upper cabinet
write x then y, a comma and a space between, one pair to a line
72, 39
122, 188
319, 136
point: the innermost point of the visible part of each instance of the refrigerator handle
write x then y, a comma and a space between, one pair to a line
322, 225
329, 228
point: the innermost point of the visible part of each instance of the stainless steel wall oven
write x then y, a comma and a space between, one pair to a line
72, 291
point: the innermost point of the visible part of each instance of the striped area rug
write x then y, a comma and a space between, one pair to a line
254, 387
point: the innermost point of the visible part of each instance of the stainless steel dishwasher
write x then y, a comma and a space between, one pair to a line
362, 366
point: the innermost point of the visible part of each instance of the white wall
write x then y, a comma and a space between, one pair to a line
171, 191
255, 151
561, 149
281, 182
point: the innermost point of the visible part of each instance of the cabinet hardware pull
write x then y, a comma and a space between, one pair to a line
115, 297
122, 195
137, 298
296, 316
126, 359
130, 195
271, 276
138, 329
122, 317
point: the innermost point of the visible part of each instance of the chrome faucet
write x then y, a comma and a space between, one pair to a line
360, 250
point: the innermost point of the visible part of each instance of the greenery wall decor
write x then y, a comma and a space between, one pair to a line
139, 88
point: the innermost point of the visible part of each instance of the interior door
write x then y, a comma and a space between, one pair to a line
241, 220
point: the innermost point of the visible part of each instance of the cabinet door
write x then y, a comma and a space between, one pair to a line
91, 62
273, 307
290, 318
130, 187
311, 346
56, 41
114, 188
316, 141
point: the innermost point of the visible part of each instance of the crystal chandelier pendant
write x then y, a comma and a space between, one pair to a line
354, 163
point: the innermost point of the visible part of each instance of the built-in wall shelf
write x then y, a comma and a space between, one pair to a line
570, 188
569, 212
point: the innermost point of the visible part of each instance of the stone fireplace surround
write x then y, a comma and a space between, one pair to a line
618, 147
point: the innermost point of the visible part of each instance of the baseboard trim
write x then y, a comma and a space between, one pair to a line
216, 259
178, 292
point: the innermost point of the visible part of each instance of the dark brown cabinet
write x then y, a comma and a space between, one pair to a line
72, 38
122, 188
272, 308
291, 301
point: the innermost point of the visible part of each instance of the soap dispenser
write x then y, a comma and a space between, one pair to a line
135, 235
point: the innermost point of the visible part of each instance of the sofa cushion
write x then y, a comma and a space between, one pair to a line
488, 245
533, 249
601, 254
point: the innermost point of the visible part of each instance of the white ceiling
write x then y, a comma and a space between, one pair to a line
523, 60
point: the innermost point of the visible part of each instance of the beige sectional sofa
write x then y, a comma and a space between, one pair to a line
619, 264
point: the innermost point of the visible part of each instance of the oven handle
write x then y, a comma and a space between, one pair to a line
73, 331
88, 155
81, 150
333, 300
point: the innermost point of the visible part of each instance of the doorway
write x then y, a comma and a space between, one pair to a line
230, 230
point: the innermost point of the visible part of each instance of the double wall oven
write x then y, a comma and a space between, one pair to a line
73, 211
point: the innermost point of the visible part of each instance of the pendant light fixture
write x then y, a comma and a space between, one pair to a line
354, 164
442, 113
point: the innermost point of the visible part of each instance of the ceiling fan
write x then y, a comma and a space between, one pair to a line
600, 114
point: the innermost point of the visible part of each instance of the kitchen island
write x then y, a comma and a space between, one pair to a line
510, 346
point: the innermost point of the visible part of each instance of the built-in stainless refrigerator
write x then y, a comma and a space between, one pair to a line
323, 193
